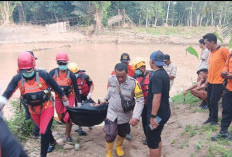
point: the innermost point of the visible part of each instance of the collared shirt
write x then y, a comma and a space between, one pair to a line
171, 69
217, 60
129, 89
204, 57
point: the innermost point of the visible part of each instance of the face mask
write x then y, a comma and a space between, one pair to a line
138, 72
28, 75
76, 75
62, 67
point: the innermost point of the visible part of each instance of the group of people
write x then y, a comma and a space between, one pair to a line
214, 82
70, 84
132, 92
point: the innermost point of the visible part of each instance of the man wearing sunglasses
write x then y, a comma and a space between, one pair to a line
35, 88
67, 81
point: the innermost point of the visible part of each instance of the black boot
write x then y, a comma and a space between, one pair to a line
209, 120
221, 135
51, 146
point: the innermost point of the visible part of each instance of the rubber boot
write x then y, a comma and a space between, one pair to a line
109, 149
118, 148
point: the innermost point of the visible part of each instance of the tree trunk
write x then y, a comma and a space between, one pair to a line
97, 18
6, 12
146, 21
167, 13
124, 18
198, 20
155, 21
201, 21
212, 22
191, 16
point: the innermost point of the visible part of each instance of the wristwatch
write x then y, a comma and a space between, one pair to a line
153, 116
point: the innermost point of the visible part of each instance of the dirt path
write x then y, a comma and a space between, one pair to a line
181, 136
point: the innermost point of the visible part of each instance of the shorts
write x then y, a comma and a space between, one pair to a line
154, 136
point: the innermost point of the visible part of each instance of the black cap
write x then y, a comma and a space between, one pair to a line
125, 57
166, 57
31, 52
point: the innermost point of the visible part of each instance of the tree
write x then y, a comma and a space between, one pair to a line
6, 10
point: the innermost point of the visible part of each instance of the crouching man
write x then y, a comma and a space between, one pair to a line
200, 89
118, 121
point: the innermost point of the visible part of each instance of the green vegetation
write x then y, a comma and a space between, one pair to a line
187, 99
20, 127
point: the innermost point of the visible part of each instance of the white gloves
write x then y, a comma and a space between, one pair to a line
78, 104
89, 95
66, 103
3, 101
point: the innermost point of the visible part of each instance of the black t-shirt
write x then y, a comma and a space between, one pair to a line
159, 83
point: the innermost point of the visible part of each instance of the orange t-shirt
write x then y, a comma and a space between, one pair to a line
131, 71
216, 60
228, 69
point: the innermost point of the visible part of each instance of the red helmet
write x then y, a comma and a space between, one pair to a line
26, 61
62, 56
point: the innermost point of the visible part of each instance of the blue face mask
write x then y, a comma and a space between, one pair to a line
62, 67
28, 75
77, 75
138, 72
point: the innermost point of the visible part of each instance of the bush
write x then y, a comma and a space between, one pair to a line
20, 127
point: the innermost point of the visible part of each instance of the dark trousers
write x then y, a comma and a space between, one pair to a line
227, 110
46, 139
214, 94
112, 129
144, 119
35, 131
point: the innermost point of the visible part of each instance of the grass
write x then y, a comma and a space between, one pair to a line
180, 30
187, 99
20, 127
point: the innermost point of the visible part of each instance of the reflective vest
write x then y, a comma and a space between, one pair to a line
64, 81
34, 92
144, 82
82, 84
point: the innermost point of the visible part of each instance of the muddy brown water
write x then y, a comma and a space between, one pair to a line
99, 60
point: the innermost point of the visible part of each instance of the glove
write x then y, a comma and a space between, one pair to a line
79, 104
66, 103
3, 101
89, 95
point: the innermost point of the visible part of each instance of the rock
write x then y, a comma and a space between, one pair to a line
60, 141
77, 147
68, 147
55, 133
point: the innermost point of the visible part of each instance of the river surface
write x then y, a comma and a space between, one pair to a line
99, 60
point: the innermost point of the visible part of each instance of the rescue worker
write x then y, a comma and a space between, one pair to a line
125, 58
35, 131
117, 121
143, 77
226, 102
85, 86
35, 87
67, 81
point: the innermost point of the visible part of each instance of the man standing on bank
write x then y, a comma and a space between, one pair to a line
217, 59
158, 107
118, 120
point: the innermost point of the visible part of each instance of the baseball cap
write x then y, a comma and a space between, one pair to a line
125, 57
31, 52
158, 58
166, 57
